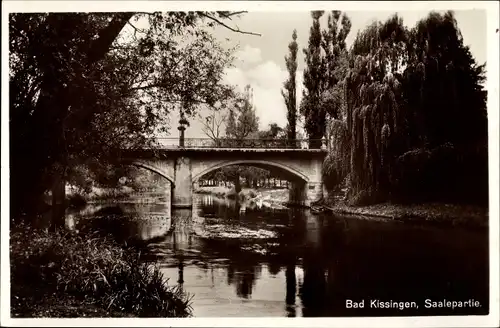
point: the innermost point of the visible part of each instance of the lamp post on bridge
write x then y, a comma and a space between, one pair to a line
323, 143
182, 127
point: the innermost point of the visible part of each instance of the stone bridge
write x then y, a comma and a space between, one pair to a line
182, 167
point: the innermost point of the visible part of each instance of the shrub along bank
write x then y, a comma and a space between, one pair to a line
58, 274
470, 216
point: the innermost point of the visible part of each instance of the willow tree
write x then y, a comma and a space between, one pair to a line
374, 112
415, 114
446, 100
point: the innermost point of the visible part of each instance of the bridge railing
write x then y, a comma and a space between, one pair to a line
244, 143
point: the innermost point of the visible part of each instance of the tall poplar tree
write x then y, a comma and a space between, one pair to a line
333, 100
334, 62
310, 107
290, 88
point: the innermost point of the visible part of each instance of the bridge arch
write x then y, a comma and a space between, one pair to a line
266, 164
152, 168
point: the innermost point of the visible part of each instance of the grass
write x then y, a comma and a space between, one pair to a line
433, 213
58, 274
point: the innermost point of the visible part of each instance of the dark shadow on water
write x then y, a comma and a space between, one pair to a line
315, 263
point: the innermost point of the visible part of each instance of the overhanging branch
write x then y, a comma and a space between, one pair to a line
237, 30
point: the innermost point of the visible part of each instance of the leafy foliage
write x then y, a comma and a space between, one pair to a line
241, 128
334, 63
374, 113
313, 80
326, 68
85, 84
88, 272
242, 122
415, 126
290, 88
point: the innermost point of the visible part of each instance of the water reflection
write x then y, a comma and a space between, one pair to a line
291, 289
265, 262
125, 221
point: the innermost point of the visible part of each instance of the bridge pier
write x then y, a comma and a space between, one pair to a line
314, 191
182, 191
305, 193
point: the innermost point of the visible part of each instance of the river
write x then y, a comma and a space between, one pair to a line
290, 262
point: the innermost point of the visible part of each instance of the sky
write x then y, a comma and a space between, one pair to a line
260, 59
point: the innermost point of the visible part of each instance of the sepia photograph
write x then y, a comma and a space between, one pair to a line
334, 160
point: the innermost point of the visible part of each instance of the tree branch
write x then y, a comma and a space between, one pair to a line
107, 36
237, 30
136, 30
230, 15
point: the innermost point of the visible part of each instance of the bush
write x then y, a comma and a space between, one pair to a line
246, 195
76, 200
231, 194
364, 198
444, 174
91, 271
252, 193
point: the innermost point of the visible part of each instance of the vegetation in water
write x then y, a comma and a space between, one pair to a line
59, 274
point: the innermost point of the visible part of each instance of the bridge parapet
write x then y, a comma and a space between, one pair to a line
242, 144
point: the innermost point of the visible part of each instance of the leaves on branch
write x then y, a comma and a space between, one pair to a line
81, 85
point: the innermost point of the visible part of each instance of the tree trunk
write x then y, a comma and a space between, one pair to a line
58, 201
237, 184
107, 36
58, 98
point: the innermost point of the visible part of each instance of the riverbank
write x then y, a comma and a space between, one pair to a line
64, 275
77, 198
433, 213
269, 197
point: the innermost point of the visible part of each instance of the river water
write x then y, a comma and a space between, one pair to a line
290, 262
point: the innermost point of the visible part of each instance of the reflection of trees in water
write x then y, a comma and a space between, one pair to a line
180, 280
243, 277
319, 243
274, 267
149, 228
146, 208
123, 221
220, 208
321, 291
180, 237
291, 289
230, 210
313, 286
